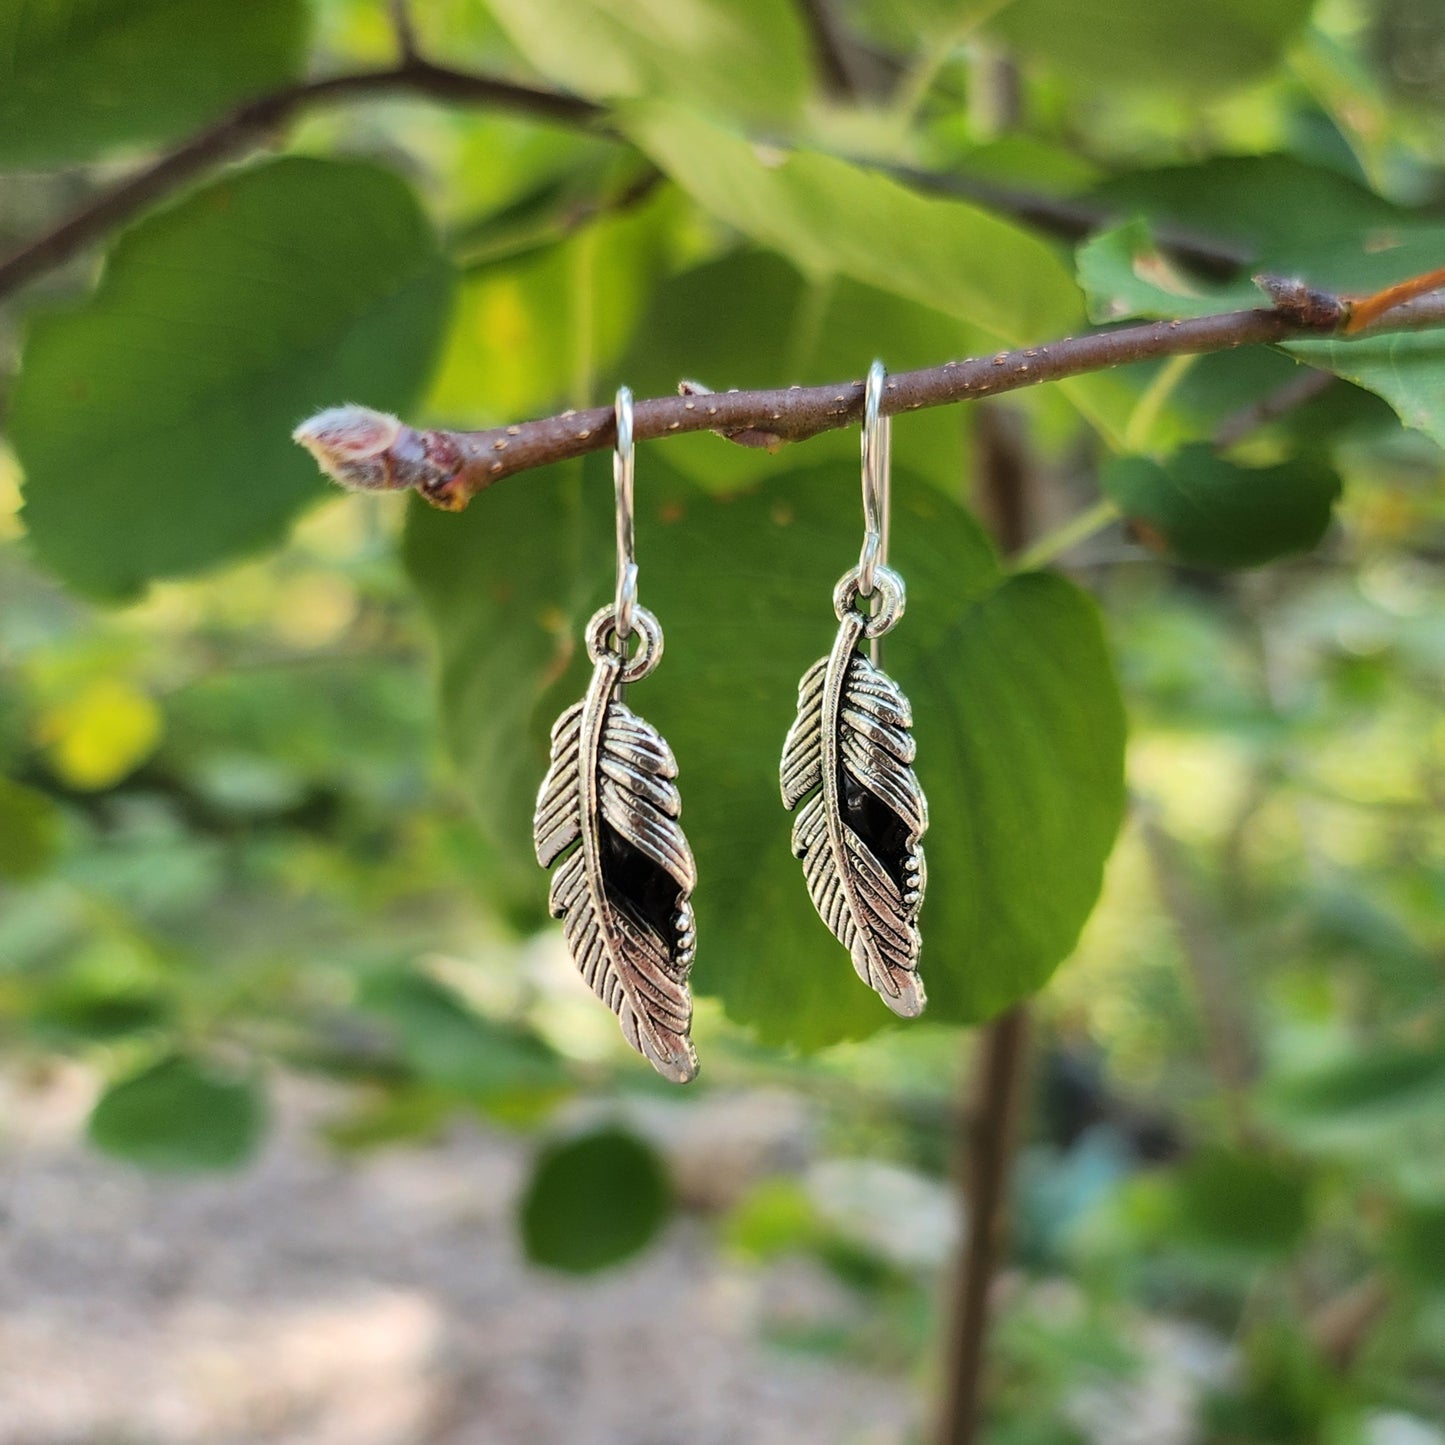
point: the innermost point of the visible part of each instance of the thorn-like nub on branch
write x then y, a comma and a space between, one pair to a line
372, 451
1303, 305
745, 436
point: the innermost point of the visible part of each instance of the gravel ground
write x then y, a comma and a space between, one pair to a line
382, 1301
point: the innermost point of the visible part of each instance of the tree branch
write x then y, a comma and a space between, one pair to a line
1068, 217
989, 1148
404, 29
1296, 392
250, 123
370, 451
836, 60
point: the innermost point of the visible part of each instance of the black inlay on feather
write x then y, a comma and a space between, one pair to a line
635, 883
876, 824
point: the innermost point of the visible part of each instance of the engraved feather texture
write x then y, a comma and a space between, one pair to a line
622, 890
848, 761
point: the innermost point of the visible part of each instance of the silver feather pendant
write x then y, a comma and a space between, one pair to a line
848, 761
608, 809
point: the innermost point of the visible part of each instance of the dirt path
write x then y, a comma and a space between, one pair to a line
382, 1301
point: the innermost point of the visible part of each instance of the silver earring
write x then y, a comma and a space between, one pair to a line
610, 803
848, 761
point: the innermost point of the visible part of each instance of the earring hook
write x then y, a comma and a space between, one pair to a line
623, 469
877, 479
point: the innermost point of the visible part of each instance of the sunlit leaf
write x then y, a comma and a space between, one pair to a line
96, 737
835, 219
152, 421
745, 57
528, 331
594, 1201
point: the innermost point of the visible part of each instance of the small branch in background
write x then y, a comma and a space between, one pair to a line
1341, 1327
404, 29
1296, 392
1003, 499
254, 122
989, 1144
1065, 537
1367, 309
1069, 218
995, 91
1228, 1035
840, 65
368, 451
251, 124
558, 227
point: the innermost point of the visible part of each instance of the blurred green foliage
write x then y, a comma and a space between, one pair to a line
240, 835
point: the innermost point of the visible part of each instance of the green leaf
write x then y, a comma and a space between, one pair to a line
1195, 46
593, 1202
1201, 509
1417, 1245
1124, 274
79, 76
29, 831
1359, 1089
834, 219
506, 644
1298, 222
452, 1046
152, 421
746, 57
526, 328
1017, 716
1239, 1203
1272, 206
769, 326
1381, 1108
180, 1114
1406, 368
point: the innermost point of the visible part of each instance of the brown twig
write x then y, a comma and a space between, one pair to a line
404, 28
250, 123
1296, 392
836, 60
1365, 309
988, 1143
368, 450
1070, 218
989, 1147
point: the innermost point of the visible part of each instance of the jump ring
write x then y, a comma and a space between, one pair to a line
603, 638
889, 599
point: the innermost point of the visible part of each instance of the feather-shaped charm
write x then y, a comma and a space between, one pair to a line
848, 762
608, 809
